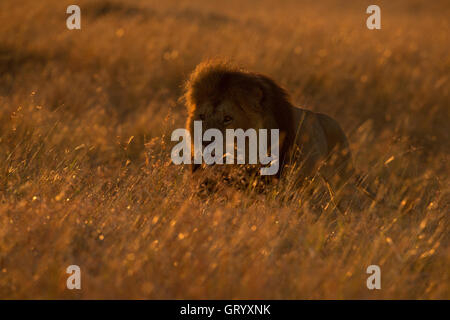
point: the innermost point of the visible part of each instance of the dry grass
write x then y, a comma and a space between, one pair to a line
85, 176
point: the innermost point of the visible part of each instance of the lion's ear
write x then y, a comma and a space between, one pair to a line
257, 97
258, 94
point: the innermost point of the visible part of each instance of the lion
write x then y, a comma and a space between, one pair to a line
224, 96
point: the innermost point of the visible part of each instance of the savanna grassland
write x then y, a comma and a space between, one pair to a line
85, 172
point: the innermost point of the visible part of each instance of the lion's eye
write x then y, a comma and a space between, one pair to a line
202, 117
227, 119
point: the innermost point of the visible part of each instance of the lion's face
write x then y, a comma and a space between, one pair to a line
226, 114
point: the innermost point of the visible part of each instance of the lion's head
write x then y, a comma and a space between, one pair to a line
223, 96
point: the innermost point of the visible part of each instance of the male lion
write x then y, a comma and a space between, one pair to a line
223, 96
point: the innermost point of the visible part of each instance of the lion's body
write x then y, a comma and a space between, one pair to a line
217, 92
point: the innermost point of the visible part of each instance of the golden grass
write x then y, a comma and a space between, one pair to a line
85, 173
